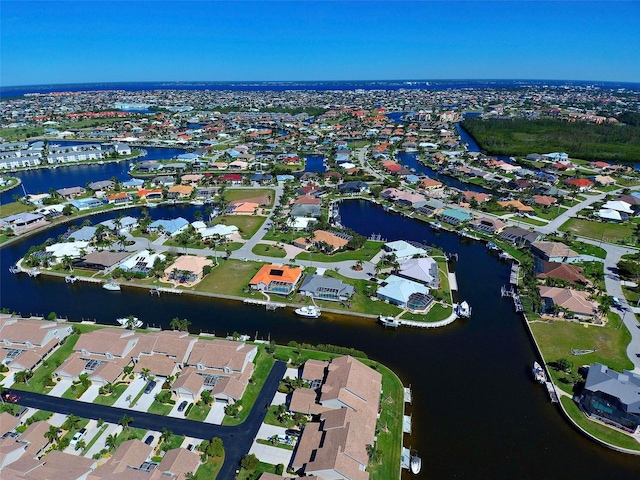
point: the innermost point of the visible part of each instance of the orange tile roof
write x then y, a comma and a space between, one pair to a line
271, 273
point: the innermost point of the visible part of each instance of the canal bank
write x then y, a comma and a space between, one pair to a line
471, 381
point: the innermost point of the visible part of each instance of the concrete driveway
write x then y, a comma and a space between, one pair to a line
61, 387
132, 390
279, 399
112, 429
216, 414
272, 455
145, 401
91, 394
8, 380
174, 411
267, 431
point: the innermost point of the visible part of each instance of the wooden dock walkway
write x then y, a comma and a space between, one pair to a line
453, 281
267, 303
552, 392
515, 273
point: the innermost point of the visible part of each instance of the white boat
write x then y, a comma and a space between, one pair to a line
389, 321
436, 225
14, 269
310, 311
463, 310
111, 286
196, 202
124, 321
70, 279
538, 373
415, 464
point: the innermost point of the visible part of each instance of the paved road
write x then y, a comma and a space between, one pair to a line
237, 440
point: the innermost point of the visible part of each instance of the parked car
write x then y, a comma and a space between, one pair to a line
182, 406
292, 432
79, 434
149, 440
150, 386
10, 397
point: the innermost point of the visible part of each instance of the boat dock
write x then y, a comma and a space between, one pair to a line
405, 458
406, 424
453, 281
510, 292
515, 273
552, 392
268, 304
177, 291
407, 395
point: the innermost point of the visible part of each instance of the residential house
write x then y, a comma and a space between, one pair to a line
488, 225
141, 262
328, 241
422, 270
22, 222
575, 302
454, 216
559, 271
187, 269
102, 260
118, 198
353, 188
554, 252
70, 192
402, 249
404, 293
169, 227
612, 397
101, 185
180, 192
325, 288
581, 184
277, 279
520, 236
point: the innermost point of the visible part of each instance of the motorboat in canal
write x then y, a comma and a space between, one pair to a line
415, 464
111, 286
538, 373
389, 321
436, 225
310, 311
128, 321
70, 279
492, 246
463, 310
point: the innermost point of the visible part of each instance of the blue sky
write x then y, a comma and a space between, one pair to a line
93, 41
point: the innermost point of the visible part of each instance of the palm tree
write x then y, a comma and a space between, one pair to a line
145, 373
131, 322
23, 376
165, 435
110, 441
52, 434
72, 422
206, 397
67, 262
125, 421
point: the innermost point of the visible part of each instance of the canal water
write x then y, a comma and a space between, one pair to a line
476, 412
41, 180
314, 164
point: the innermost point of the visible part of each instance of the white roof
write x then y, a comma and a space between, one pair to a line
142, 256
401, 289
619, 205
72, 249
609, 214
220, 229
403, 249
199, 225
300, 223
347, 165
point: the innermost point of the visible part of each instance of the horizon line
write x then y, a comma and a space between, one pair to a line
319, 81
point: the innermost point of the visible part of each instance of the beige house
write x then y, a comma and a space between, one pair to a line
336, 445
573, 301
187, 269
27, 341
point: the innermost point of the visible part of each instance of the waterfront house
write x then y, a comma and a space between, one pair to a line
21, 222
404, 293
243, 208
83, 234
281, 280
102, 260
554, 252
118, 198
86, 203
305, 210
101, 185
335, 446
516, 205
520, 236
325, 240
454, 216
354, 187
575, 302
141, 262
402, 249
155, 194
431, 208
164, 181
479, 197
429, 184
187, 269
423, 270
58, 251
325, 288
559, 271
612, 397
149, 166
169, 227
180, 192
488, 225
70, 192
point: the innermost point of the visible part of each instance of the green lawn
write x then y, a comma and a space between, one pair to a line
631, 295
557, 338
272, 418
231, 277
75, 391
209, 470
263, 363
531, 221
199, 412
549, 213
109, 400
602, 432
367, 252
255, 474
608, 232
14, 208
235, 194
247, 224
44, 371
158, 408
588, 249
268, 250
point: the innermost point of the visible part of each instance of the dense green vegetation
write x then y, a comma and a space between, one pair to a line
580, 140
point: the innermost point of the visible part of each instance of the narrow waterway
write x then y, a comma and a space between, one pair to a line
477, 414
